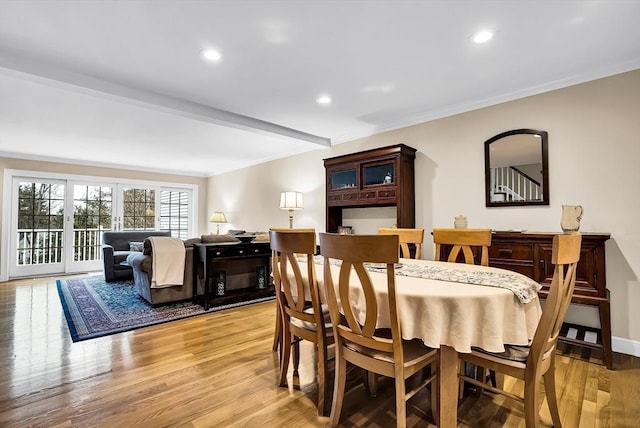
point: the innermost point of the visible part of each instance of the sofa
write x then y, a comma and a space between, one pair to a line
117, 246
142, 265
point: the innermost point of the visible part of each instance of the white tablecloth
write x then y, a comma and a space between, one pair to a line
452, 313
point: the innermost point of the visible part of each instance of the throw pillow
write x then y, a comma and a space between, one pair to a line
235, 232
189, 242
136, 246
214, 239
147, 247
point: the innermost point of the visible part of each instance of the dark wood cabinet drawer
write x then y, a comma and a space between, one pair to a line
334, 198
223, 251
368, 195
508, 251
259, 250
382, 194
350, 197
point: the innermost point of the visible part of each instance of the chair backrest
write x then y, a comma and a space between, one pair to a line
359, 327
300, 294
120, 240
565, 256
406, 236
463, 240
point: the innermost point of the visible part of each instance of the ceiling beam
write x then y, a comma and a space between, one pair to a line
32, 69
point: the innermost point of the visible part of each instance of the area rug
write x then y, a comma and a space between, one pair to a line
95, 308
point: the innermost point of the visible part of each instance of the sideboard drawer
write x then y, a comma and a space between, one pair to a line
260, 250
222, 251
507, 251
368, 195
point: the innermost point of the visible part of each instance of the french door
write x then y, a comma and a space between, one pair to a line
58, 224
38, 221
90, 214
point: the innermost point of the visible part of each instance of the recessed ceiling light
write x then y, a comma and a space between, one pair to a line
482, 36
211, 55
323, 99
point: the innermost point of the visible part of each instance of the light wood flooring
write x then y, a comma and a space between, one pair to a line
218, 370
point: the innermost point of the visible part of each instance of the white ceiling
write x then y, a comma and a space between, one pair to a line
122, 83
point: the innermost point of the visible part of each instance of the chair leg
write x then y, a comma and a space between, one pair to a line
338, 388
552, 398
322, 379
461, 371
401, 403
296, 355
277, 334
531, 417
371, 383
285, 353
492, 378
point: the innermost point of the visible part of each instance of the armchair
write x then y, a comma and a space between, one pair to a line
116, 247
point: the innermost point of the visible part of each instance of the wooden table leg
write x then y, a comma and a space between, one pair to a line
448, 387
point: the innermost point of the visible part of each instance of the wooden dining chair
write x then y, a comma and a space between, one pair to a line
406, 236
357, 340
531, 363
277, 334
299, 303
463, 241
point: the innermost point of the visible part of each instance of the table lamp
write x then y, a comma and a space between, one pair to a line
291, 201
218, 217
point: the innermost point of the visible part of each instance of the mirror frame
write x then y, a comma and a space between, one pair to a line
545, 168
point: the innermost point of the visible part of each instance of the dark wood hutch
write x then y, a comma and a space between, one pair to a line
372, 178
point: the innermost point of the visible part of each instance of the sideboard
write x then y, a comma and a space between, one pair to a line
530, 254
232, 272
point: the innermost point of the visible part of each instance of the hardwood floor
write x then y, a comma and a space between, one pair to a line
218, 370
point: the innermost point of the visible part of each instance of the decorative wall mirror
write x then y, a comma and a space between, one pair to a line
516, 168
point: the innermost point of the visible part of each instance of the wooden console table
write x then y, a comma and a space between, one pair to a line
530, 254
241, 270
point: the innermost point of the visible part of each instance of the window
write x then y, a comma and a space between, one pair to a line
174, 212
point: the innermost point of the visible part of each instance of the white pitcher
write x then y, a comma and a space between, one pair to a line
571, 216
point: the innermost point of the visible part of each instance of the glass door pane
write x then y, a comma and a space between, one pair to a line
138, 209
38, 244
175, 213
92, 215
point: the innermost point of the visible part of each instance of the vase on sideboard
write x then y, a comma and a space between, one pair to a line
571, 216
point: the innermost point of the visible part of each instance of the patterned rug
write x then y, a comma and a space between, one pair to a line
95, 308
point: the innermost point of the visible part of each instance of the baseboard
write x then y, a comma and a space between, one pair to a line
625, 346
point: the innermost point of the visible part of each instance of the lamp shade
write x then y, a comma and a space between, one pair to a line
218, 217
291, 201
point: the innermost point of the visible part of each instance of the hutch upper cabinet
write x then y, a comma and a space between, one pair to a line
378, 177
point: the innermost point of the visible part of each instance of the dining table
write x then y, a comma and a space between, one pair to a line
452, 307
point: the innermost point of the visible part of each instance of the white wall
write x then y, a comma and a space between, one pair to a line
594, 161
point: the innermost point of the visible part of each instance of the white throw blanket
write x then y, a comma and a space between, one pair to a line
168, 261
